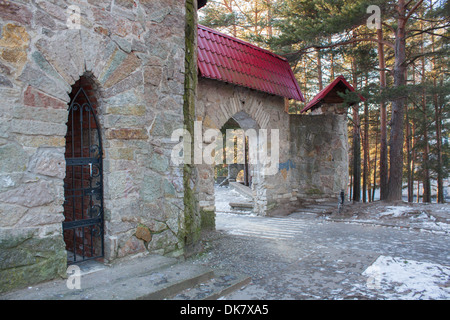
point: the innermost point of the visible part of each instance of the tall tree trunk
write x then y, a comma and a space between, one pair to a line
426, 150
418, 191
269, 18
410, 140
356, 144
351, 182
440, 179
331, 60
369, 170
438, 119
375, 166
408, 155
383, 121
319, 70
398, 108
413, 160
366, 148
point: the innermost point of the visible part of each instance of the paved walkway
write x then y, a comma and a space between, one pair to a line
309, 257
299, 256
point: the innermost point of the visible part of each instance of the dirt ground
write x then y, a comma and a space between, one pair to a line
430, 216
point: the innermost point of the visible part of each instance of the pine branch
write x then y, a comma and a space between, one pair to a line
412, 10
355, 40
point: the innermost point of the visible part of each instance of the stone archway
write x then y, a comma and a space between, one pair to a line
216, 104
242, 159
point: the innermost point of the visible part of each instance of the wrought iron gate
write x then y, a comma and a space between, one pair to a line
83, 185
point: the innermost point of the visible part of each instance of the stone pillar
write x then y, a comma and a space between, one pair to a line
192, 212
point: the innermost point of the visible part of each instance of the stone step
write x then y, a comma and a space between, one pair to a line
324, 205
241, 205
220, 285
147, 278
243, 190
313, 210
176, 279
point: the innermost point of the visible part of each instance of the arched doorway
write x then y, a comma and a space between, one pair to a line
83, 184
234, 179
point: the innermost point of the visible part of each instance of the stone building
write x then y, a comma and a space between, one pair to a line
118, 194
322, 151
241, 81
91, 93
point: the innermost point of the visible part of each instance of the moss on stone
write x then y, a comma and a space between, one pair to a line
191, 233
27, 260
313, 191
208, 219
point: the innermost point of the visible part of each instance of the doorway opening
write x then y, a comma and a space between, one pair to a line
83, 184
234, 179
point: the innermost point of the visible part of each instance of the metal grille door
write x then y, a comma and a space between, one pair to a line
83, 185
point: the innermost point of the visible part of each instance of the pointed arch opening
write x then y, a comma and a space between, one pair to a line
237, 176
83, 227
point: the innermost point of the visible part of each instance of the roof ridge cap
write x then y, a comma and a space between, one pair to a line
240, 41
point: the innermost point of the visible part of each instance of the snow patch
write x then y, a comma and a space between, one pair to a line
406, 279
394, 211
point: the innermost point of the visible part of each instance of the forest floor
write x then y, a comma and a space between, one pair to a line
423, 216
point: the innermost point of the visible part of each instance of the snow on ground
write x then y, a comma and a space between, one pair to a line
429, 217
418, 219
394, 211
405, 279
391, 278
225, 195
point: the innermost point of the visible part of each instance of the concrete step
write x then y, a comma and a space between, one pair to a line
243, 190
324, 205
174, 280
220, 285
241, 205
147, 278
313, 210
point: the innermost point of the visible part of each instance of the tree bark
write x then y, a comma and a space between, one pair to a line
356, 144
366, 149
375, 167
408, 155
398, 107
438, 119
440, 180
426, 151
319, 70
383, 121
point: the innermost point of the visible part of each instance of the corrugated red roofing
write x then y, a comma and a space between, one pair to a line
338, 83
224, 58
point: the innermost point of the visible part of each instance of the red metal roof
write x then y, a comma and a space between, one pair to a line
329, 95
224, 58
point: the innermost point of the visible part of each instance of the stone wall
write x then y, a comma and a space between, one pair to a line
134, 54
217, 102
319, 145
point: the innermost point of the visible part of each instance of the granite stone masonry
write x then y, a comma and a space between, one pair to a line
319, 145
217, 102
130, 56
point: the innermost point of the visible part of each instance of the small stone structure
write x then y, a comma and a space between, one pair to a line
216, 103
319, 145
322, 149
